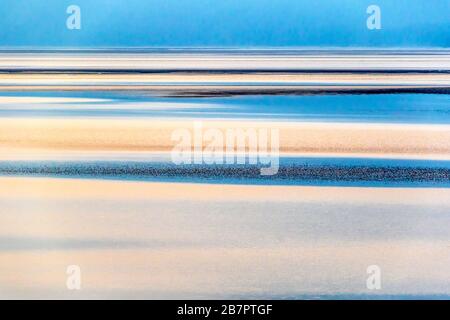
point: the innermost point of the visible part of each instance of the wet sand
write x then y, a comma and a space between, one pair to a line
175, 240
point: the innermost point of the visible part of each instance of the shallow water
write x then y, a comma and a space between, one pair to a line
291, 171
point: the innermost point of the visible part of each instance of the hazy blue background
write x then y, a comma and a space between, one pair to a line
225, 23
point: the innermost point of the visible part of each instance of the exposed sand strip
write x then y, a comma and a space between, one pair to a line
240, 82
221, 61
154, 135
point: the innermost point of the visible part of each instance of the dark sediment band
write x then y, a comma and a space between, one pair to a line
290, 172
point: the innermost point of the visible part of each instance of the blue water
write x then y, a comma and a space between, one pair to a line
378, 108
225, 23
